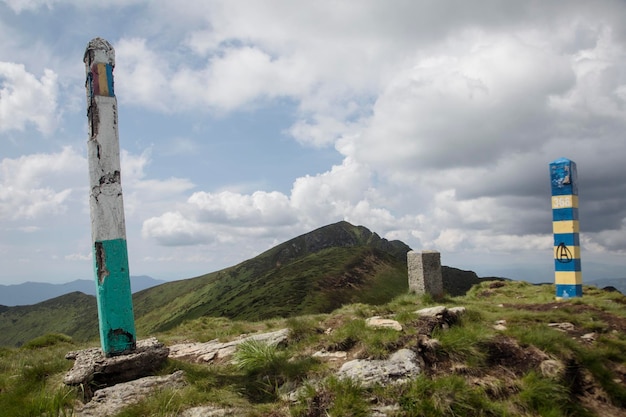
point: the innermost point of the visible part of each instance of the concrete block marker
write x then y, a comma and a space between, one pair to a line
110, 254
567, 268
425, 272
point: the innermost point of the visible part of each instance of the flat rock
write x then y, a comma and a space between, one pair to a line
589, 337
331, 356
381, 323
92, 366
564, 326
437, 311
211, 411
457, 311
111, 400
212, 350
400, 367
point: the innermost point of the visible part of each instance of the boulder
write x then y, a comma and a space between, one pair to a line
400, 367
111, 400
93, 368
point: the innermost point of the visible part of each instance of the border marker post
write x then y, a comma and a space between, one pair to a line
110, 253
566, 229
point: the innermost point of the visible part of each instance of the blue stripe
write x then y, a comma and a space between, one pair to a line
109, 68
567, 291
565, 214
563, 266
568, 239
563, 190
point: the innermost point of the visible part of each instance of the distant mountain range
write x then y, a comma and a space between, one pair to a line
30, 293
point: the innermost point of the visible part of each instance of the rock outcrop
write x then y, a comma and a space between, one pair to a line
213, 350
111, 400
400, 367
93, 368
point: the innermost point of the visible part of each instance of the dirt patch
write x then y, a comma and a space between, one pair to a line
506, 352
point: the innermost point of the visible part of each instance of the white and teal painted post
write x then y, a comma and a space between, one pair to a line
567, 272
110, 254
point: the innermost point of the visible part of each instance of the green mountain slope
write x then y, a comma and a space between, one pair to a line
313, 273
74, 314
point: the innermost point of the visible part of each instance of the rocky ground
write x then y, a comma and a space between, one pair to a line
507, 361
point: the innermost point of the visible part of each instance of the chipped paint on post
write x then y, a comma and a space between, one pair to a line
110, 253
567, 268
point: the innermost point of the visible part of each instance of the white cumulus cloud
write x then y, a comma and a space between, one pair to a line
25, 99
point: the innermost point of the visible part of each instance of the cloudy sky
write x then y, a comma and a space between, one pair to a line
246, 123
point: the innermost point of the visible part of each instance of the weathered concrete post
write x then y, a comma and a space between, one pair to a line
110, 254
425, 272
567, 272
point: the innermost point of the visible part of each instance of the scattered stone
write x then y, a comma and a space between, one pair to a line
457, 311
426, 343
436, 312
443, 314
500, 325
460, 369
379, 322
589, 337
93, 368
385, 410
212, 411
111, 400
552, 368
400, 367
564, 327
212, 350
333, 356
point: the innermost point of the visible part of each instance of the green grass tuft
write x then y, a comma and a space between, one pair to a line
48, 340
446, 396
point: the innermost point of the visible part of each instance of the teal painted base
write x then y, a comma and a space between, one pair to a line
115, 304
569, 291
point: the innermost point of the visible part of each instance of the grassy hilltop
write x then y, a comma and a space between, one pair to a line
489, 363
514, 352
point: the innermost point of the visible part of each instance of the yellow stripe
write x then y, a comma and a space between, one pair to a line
566, 226
574, 252
568, 278
103, 82
564, 201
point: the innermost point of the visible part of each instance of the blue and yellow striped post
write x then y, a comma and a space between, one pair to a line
567, 272
110, 254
